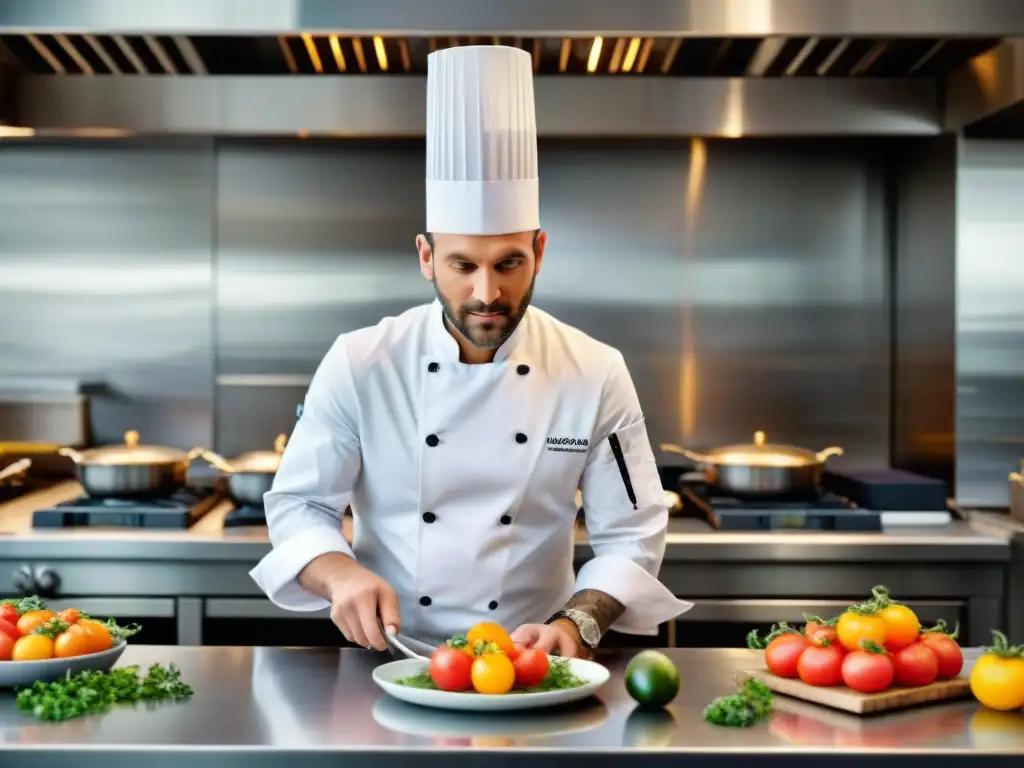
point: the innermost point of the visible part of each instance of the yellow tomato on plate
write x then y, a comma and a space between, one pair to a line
489, 632
493, 673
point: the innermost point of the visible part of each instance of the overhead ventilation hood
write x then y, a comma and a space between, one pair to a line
603, 67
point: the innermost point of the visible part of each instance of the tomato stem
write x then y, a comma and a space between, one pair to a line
871, 646
818, 620
756, 643
941, 628
1001, 647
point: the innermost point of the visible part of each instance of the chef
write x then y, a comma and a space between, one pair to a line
459, 431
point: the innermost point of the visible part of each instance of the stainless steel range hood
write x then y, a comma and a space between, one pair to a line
604, 67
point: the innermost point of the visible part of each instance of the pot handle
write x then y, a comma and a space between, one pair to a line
70, 453
691, 455
17, 468
213, 459
833, 451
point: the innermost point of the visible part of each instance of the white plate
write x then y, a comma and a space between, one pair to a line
23, 673
385, 676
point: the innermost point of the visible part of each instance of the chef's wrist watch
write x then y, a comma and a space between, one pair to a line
590, 632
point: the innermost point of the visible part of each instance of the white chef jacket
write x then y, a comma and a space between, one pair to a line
462, 478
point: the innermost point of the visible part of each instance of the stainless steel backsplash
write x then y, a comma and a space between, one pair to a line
746, 282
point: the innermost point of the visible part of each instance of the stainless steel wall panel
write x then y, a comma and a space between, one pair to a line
377, 106
744, 281
990, 319
722, 18
105, 252
924, 296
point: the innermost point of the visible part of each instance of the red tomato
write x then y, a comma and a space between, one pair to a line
783, 652
821, 665
9, 629
916, 665
531, 667
9, 613
868, 672
6, 647
450, 669
947, 651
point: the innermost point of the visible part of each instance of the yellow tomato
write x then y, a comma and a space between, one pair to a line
493, 674
32, 648
489, 632
32, 619
75, 641
998, 681
853, 627
901, 626
100, 637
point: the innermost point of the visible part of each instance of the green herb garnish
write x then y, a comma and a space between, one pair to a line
743, 709
94, 692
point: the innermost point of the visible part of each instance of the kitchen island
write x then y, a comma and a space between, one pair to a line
272, 707
196, 582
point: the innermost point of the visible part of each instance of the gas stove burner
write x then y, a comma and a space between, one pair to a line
179, 510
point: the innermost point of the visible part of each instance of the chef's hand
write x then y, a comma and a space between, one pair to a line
559, 638
358, 596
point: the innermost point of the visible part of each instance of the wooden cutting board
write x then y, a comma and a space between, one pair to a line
841, 697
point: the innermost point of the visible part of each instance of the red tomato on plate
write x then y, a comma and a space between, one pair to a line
9, 613
916, 665
9, 629
821, 665
451, 669
531, 667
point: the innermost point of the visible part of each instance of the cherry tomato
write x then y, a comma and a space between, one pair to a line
901, 626
449, 669
6, 647
821, 665
823, 636
100, 636
916, 665
32, 619
517, 649
9, 629
70, 615
489, 632
783, 652
531, 667
32, 648
8, 613
74, 641
947, 651
867, 671
493, 673
854, 627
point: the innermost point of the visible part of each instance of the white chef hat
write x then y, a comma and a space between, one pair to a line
481, 141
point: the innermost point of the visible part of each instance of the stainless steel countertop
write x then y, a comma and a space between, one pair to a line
271, 705
688, 541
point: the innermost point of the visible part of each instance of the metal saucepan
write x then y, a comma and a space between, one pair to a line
131, 470
760, 468
250, 475
14, 471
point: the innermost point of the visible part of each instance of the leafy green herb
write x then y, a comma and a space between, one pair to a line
559, 678
94, 692
743, 709
116, 632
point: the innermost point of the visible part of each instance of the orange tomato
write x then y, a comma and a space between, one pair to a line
493, 673
98, 634
74, 641
32, 619
853, 627
70, 615
901, 626
489, 632
32, 648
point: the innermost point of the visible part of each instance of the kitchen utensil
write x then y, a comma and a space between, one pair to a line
395, 643
849, 700
130, 470
250, 475
760, 468
386, 676
20, 673
14, 470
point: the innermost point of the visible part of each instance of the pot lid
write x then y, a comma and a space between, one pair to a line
763, 454
130, 452
261, 461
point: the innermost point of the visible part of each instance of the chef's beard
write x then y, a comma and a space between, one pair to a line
480, 334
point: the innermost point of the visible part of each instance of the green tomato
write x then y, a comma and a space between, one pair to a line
652, 679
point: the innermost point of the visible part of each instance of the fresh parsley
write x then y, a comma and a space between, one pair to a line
752, 703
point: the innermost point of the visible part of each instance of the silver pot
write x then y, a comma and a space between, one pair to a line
250, 475
760, 468
131, 470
